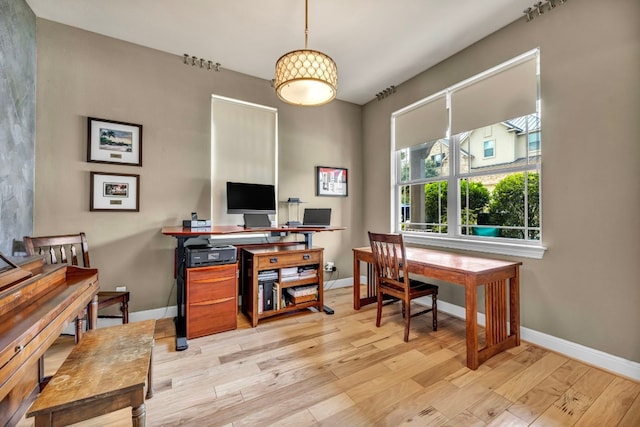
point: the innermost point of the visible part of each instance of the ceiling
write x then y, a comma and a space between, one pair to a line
375, 43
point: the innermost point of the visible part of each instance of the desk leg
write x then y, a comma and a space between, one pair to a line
180, 321
372, 293
356, 282
471, 303
514, 305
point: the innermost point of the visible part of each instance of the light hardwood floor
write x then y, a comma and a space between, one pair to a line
315, 369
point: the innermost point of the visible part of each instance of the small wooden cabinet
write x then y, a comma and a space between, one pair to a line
211, 300
277, 263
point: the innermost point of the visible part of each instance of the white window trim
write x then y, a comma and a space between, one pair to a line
526, 249
495, 246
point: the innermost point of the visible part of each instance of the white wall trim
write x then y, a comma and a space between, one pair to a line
156, 313
338, 283
588, 355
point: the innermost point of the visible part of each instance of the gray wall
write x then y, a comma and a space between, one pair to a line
84, 74
585, 289
17, 120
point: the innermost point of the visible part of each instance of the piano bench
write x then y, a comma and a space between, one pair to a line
106, 371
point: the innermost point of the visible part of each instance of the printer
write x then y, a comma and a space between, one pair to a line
203, 255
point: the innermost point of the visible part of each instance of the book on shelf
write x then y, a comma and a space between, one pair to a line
267, 275
287, 274
307, 271
267, 297
289, 271
298, 291
260, 297
276, 296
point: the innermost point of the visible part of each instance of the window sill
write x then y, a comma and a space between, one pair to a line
478, 245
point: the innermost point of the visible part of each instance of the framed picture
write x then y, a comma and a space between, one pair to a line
114, 142
331, 181
115, 192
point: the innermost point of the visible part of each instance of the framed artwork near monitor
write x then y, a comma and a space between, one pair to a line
331, 181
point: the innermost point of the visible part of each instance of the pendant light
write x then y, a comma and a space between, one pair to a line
306, 77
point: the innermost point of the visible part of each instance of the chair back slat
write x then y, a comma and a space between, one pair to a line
389, 259
62, 249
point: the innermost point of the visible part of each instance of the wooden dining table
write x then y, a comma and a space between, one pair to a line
501, 280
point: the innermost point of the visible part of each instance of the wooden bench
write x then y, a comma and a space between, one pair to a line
105, 372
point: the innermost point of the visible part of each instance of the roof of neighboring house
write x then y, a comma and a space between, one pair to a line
530, 123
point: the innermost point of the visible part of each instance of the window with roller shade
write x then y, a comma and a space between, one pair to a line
244, 148
468, 159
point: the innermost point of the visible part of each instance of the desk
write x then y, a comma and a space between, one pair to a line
184, 233
470, 272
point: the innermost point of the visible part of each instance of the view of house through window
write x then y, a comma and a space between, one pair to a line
481, 182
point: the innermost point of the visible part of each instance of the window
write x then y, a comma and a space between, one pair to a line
489, 147
247, 128
455, 187
534, 141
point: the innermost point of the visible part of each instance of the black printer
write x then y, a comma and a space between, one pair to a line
204, 255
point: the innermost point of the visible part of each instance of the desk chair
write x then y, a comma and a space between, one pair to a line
392, 278
64, 249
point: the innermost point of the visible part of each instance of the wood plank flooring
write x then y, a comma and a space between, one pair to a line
312, 369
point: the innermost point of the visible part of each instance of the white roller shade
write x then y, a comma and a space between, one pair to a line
501, 96
427, 122
243, 149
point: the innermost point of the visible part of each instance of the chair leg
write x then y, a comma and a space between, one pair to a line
407, 320
379, 313
434, 311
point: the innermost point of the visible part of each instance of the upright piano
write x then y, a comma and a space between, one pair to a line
37, 301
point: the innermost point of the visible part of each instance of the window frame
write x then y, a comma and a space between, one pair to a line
537, 141
485, 143
454, 239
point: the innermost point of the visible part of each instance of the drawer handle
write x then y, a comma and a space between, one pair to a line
19, 348
273, 260
306, 256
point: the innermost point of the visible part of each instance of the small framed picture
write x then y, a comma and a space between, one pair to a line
331, 181
114, 142
114, 192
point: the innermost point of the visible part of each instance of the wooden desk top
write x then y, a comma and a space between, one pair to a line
449, 260
95, 367
178, 231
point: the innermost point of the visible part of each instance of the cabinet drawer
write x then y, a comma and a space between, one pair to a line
211, 274
205, 319
199, 292
288, 260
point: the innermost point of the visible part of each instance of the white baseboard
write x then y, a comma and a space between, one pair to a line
156, 313
600, 359
338, 283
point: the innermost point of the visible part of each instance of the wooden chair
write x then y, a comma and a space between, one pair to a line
64, 249
392, 278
